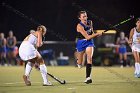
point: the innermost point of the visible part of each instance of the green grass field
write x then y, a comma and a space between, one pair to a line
105, 80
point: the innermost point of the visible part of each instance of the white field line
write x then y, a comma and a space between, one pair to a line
97, 81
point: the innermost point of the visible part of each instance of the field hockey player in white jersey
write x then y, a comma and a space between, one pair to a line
28, 52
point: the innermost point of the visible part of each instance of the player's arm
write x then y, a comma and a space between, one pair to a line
7, 43
127, 40
15, 41
84, 33
131, 36
4, 42
117, 42
39, 39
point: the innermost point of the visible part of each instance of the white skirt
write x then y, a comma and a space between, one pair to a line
136, 47
27, 51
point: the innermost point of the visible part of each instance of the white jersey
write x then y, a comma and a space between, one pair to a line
136, 37
32, 39
27, 48
136, 41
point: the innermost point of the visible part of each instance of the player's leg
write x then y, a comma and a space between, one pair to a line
13, 55
80, 58
0, 58
89, 52
28, 69
125, 60
136, 57
9, 57
121, 59
43, 70
84, 59
4, 56
139, 63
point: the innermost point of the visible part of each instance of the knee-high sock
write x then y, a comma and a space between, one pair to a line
43, 71
139, 67
124, 62
88, 70
137, 71
9, 61
15, 61
4, 60
28, 69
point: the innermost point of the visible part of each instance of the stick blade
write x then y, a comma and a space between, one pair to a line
64, 82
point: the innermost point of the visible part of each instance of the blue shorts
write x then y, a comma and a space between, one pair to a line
122, 50
3, 49
9, 49
82, 44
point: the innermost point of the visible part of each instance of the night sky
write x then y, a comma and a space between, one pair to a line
60, 16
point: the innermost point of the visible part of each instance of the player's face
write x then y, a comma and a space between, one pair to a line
122, 35
10, 33
138, 24
2, 35
83, 17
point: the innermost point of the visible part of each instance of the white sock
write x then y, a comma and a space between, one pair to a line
28, 69
137, 67
43, 71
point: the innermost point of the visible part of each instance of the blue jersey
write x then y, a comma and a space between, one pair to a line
122, 43
2, 46
82, 43
10, 42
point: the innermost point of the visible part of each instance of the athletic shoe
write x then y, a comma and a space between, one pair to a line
137, 75
48, 84
26, 80
121, 66
88, 80
79, 65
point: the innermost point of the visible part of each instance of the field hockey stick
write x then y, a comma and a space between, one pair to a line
30, 19
57, 79
110, 26
122, 22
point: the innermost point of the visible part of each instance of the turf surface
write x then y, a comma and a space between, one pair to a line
105, 80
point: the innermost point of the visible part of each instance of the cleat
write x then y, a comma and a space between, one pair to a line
137, 75
79, 66
121, 66
26, 80
48, 84
88, 80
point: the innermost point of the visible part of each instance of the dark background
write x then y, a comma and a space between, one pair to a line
60, 16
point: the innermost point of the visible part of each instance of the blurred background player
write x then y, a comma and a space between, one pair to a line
11, 45
28, 52
2, 49
85, 44
122, 41
134, 40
